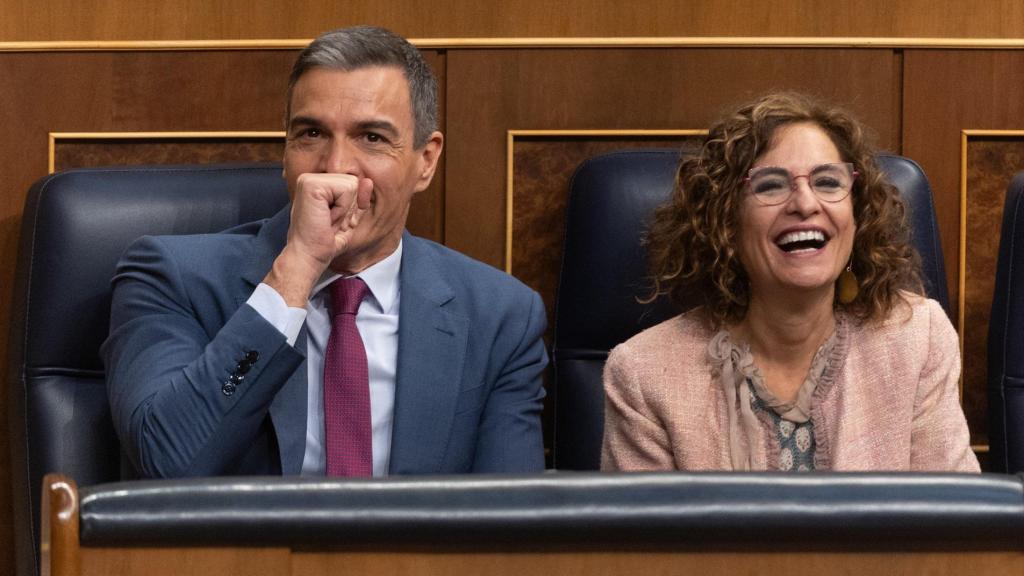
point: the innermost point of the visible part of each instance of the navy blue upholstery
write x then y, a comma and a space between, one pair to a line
565, 511
611, 199
1006, 340
76, 225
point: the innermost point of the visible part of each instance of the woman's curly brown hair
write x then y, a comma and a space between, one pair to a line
692, 240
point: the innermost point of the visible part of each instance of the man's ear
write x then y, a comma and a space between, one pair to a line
428, 157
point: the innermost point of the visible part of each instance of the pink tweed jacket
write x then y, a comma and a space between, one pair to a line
893, 405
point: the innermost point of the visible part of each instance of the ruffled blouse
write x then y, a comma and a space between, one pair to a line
750, 404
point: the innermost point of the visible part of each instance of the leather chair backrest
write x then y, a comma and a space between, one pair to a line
1006, 340
611, 200
76, 224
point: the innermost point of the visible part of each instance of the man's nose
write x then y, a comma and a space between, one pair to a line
340, 158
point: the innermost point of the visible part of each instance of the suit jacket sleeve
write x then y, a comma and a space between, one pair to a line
510, 438
176, 339
940, 440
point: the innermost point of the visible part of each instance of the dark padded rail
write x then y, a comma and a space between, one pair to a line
578, 510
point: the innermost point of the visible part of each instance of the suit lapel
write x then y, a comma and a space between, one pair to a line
432, 341
288, 410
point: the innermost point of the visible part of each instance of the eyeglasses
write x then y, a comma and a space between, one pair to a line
830, 183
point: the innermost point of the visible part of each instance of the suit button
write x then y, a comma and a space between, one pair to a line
252, 356
228, 388
242, 367
236, 378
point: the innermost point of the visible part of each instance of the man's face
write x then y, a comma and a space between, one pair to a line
360, 123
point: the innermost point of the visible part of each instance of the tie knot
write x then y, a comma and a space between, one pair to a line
346, 295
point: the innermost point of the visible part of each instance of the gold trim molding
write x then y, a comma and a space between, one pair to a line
965, 136
510, 162
581, 42
55, 136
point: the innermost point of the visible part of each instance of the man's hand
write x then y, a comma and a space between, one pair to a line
326, 208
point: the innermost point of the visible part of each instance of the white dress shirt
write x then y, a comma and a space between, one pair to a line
377, 322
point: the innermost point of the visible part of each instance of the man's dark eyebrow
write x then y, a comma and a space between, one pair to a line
303, 121
378, 126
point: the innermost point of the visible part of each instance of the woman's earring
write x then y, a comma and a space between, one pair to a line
848, 288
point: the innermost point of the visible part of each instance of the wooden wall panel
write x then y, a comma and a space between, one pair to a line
991, 162
241, 19
71, 153
946, 92
491, 92
917, 101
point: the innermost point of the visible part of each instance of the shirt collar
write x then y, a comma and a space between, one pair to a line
381, 278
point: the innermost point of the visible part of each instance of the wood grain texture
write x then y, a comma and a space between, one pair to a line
916, 100
991, 164
491, 92
239, 19
657, 563
253, 561
946, 92
78, 153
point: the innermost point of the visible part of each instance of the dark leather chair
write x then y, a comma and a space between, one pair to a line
1006, 340
76, 224
611, 198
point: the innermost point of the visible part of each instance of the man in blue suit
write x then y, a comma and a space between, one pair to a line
218, 343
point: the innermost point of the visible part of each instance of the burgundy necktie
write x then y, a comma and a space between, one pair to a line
348, 434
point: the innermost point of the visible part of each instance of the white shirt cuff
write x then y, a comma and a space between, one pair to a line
272, 307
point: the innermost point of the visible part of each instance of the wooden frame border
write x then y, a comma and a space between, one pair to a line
510, 162
55, 136
542, 42
965, 136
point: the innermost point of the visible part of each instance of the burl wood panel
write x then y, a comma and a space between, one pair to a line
490, 92
542, 169
75, 153
991, 164
175, 91
946, 92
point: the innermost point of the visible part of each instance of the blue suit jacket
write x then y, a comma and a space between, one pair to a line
468, 392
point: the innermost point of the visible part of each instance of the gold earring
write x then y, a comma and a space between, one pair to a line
848, 288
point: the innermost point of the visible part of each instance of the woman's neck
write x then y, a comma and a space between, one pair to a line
781, 328
784, 335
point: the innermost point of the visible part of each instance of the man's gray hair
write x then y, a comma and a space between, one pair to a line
349, 49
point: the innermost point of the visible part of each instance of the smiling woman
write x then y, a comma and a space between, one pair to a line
780, 369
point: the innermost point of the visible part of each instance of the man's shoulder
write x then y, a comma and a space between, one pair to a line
464, 270
466, 286
213, 255
240, 235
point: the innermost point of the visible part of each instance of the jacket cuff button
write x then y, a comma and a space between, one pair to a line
228, 388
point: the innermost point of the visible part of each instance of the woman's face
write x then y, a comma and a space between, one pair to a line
803, 243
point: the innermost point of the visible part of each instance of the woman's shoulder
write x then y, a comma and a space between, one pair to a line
690, 325
683, 334
666, 361
914, 320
